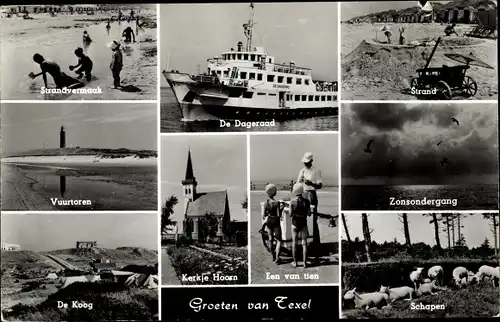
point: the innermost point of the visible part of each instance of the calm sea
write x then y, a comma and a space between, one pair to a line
171, 121
474, 197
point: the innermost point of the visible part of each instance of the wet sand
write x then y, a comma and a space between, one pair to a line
56, 38
31, 187
386, 78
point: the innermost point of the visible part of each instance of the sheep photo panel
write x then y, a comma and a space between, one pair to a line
420, 265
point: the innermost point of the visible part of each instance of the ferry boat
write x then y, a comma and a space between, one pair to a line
248, 84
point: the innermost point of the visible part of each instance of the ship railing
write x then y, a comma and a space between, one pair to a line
292, 69
237, 83
205, 79
324, 86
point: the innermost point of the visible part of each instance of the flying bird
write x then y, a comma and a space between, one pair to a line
368, 147
444, 161
455, 120
439, 142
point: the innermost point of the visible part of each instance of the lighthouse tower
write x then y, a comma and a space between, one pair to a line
62, 138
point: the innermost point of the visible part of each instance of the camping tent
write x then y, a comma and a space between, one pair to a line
142, 280
52, 276
82, 279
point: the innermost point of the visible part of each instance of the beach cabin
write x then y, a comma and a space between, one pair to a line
286, 223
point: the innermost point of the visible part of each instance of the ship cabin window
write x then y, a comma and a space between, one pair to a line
272, 94
306, 81
219, 73
251, 76
243, 75
280, 79
233, 56
323, 98
258, 58
247, 94
310, 98
270, 60
304, 98
259, 77
234, 93
239, 56
252, 57
299, 81
287, 97
334, 97
289, 80
297, 98
261, 93
270, 78
316, 98
329, 98
245, 56
226, 73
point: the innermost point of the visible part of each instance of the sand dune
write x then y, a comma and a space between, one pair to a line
77, 160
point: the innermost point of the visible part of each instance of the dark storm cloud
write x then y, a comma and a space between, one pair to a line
406, 137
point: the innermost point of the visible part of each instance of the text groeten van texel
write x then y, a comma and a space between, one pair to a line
281, 302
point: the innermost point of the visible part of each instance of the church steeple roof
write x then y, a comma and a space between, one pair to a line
189, 179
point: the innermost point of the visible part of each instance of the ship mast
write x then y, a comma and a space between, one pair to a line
248, 28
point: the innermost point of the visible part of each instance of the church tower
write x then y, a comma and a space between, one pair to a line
189, 183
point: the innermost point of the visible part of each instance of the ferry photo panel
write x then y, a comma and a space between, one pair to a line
249, 67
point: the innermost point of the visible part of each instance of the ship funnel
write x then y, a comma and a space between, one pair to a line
240, 46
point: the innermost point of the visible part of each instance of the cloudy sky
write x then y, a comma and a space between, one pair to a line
349, 10
219, 163
405, 149
120, 125
277, 157
302, 32
44, 232
386, 227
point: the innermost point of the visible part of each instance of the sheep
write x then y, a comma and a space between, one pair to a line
416, 276
488, 271
367, 300
459, 273
427, 280
497, 316
397, 292
436, 273
427, 288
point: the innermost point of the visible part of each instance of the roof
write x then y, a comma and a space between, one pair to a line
209, 203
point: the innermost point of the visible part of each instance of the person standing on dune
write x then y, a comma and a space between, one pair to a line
116, 64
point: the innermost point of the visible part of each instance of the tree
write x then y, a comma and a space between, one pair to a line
367, 236
209, 225
494, 224
404, 220
435, 222
486, 243
346, 229
167, 211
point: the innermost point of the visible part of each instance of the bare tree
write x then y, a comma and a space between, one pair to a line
367, 236
435, 221
445, 218
403, 218
452, 223
494, 224
346, 229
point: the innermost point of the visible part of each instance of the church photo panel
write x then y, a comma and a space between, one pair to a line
204, 218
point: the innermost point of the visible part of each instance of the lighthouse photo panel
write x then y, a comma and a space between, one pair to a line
240, 67
204, 202
85, 156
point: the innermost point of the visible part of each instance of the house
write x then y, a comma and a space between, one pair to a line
197, 205
10, 247
86, 244
100, 265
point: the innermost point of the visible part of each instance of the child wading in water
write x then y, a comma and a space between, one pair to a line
272, 220
116, 64
300, 209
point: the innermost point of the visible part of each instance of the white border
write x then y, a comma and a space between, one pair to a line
249, 213
339, 152
158, 141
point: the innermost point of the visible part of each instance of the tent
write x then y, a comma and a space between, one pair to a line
52, 276
142, 280
82, 279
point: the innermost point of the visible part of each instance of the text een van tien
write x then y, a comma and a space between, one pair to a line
281, 303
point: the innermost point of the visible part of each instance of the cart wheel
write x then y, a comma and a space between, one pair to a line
265, 239
414, 83
469, 86
443, 90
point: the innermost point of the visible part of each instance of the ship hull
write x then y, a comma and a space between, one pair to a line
207, 103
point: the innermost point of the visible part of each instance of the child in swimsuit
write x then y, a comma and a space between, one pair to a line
300, 209
272, 217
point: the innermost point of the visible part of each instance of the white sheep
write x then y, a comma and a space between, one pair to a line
436, 273
427, 280
427, 288
416, 276
459, 273
367, 300
397, 293
488, 271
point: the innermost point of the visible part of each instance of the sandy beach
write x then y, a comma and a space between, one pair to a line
386, 74
82, 160
32, 183
57, 37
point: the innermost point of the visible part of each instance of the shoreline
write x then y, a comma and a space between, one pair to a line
81, 160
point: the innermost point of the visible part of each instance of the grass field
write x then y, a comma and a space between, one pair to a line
194, 262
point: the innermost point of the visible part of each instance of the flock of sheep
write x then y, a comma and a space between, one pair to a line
462, 278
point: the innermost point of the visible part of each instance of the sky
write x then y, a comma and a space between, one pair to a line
44, 232
349, 10
386, 226
301, 32
219, 163
106, 125
405, 149
277, 157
